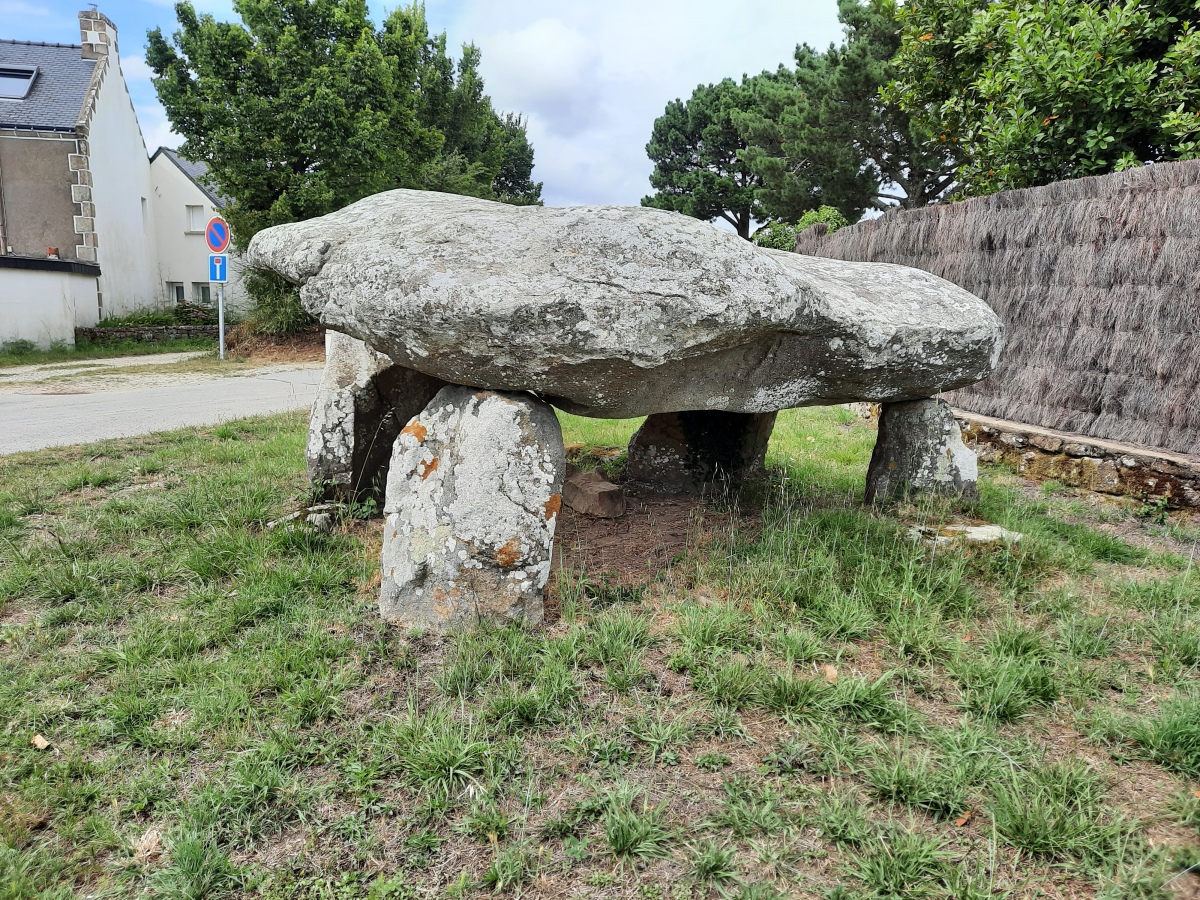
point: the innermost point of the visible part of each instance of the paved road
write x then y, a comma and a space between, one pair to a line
30, 421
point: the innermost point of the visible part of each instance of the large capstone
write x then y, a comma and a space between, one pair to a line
684, 452
920, 449
624, 311
473, 495
363, 400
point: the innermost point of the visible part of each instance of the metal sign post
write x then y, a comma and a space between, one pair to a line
216, 235
221, 316
218, 273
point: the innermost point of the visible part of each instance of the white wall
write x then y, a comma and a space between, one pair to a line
45, 307
120, 179
183, 256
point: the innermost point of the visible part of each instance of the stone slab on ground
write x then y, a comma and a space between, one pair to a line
591, 494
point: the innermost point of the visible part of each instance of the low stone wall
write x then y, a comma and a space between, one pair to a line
1104, 466
148, 334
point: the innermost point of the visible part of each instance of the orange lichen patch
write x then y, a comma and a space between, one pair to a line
425, 469
416, 429
509, 553
553, 505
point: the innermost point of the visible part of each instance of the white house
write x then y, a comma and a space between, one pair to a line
76, 221
183, 205
80, 201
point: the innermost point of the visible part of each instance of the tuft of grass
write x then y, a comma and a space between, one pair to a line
1088, 637
1058, 812
748, 808
712, 863
510, 868
794, 696
719, 627
1172, 739
1004, 688
616, 634
841, 819
197, 869
439, 753
729, 681
904, 862
636, 832
915, 780
662, 734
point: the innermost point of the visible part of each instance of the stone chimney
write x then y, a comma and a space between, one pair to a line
97, 33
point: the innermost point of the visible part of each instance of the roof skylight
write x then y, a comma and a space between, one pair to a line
15, 81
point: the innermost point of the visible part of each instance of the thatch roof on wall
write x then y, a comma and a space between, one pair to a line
1098, 283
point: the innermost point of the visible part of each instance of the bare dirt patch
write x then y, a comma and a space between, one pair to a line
308, 346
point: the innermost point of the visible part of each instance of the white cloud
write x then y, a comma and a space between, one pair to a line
21, 8
592, 77
135, 68
156, 130
548, 70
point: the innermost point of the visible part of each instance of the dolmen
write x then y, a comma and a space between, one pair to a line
458, 324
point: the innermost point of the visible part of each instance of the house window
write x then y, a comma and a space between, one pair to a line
15, 81
195, 218
175, 291
201, 293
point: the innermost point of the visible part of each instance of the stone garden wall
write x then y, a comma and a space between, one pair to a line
147, 334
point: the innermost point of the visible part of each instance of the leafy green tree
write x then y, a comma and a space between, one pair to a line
821, 134
1025, 92
695, 146
305, 106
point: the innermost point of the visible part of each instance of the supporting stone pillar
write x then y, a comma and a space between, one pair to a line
684, 451
920, 448
473, 495
362, 402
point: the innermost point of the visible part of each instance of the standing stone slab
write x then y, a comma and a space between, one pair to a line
363, 400
473, 495
684, 451
920, 448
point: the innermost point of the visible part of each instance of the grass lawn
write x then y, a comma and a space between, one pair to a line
806, 703
16, 354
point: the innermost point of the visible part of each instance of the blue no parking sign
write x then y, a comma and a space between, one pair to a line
218, 268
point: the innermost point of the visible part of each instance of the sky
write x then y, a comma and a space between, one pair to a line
590, 75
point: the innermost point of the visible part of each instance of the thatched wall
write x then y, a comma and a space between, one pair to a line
1098, 283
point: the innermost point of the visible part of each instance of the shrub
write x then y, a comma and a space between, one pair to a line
782, 235
18, 348
275, 305
180, 314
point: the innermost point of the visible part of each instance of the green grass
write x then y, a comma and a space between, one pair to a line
14, 354
807, 702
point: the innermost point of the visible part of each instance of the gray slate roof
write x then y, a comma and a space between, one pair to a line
58, 91
196, 171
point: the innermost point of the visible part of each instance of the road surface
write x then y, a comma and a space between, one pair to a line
33, 417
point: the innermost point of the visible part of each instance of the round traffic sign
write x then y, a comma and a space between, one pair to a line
217, 234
